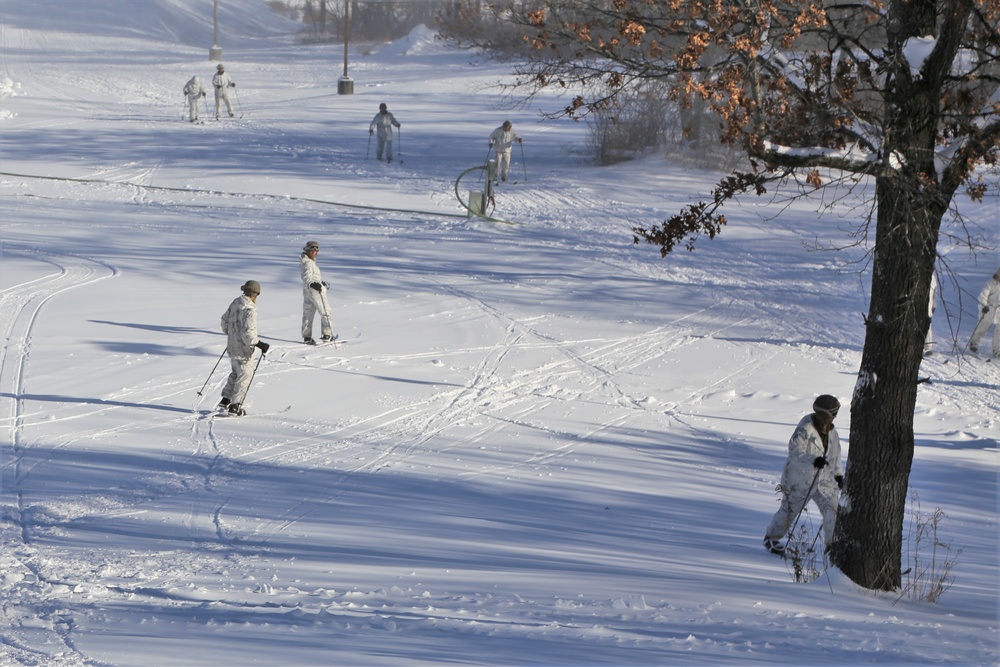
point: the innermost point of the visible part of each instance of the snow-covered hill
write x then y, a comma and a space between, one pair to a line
537, 444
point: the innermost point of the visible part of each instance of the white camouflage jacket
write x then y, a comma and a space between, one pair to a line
383, 123
503, 140
193, 88
989, 298
222, 84
803, 448
310, 273
239, 323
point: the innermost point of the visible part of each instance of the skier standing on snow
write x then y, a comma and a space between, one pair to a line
194, 92
239, 323
989, 314
383, 122
222, 84
812, 472
502, 139
314, 292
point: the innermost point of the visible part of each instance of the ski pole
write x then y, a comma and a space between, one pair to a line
212, 373
399, 141
250, 382
238, 104
369, 151
523, 166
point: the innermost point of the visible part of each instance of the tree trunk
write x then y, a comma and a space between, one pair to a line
868, 538
869, 532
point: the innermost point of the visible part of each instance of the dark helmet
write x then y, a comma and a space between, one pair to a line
251, 287
827, 404
382, 107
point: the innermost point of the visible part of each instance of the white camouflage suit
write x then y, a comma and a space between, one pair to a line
989, 314
194, 91
313, 300
502, 139
239, 323
805, 445
223, 86
382, 125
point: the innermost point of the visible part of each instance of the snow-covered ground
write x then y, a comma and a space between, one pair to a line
537, 444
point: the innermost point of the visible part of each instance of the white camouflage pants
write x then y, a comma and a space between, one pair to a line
315, 302
239, 379
794, 500
219, 98
193, 107
384, 145
503, 164
986, 320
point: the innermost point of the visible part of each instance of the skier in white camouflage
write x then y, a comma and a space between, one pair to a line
812, 472
223, 85
383, 123
989, 314
502, 139
239, 323
314, 299
194, 91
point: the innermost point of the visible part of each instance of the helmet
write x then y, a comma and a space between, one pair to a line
251, 287
220, 67
383, 106
311, 245
827, 404
507, 125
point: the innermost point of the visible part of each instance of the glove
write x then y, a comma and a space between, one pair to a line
986, 309
316, 286
819, 463
840, 481
326, 284
262, 346
370, 132
232, 84
520, 140
203, 93
491, 144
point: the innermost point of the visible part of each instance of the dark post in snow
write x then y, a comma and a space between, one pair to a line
345, 85
215, 53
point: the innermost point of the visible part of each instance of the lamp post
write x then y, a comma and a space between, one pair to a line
215, 53
345, 85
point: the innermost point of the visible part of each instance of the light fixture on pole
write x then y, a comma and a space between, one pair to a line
215, 53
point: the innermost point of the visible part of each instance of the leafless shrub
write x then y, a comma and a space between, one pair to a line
805, 562
635, 123
930, 560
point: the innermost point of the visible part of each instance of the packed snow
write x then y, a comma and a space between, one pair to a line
536, 442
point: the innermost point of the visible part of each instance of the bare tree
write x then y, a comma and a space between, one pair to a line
905, 93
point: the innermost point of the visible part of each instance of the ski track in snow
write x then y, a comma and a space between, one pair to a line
501, 400
19, 308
